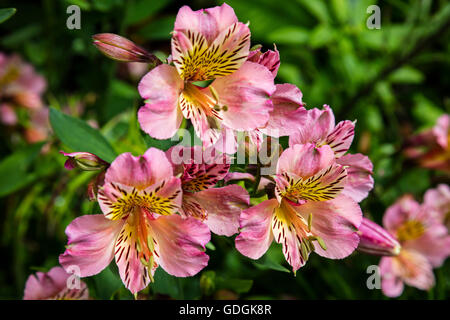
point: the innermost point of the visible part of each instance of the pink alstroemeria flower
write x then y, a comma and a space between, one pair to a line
208, 44
139, 227
308, 213
218, 208
53, 286
438, 200
425, 244
320, 129
431, 148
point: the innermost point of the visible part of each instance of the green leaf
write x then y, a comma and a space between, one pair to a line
83, 4
425, 111
340, 9
406, 75
166, 284
373, 118
7, 13
289, 35
79, 136
107, 283
317, 8
141, 9
236, 285
322, 35
267, 264
158, 29
13, 169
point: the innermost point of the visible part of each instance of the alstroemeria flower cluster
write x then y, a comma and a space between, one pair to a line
159, 209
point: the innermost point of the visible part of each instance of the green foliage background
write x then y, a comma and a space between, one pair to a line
394, 81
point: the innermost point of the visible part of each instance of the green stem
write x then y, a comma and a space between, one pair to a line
257, 180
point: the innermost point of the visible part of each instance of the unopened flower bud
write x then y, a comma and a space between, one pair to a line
84, 160
376, 240
122, 49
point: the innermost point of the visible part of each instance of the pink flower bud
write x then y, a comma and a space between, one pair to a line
85, 161
122, 49
376, 240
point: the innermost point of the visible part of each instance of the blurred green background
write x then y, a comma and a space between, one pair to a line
394, 81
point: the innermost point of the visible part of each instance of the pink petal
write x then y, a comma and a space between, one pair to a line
208, 44
7, 114
140, 172
359, 175
246, 94
91, 243
288, 229
223, 207
434, 244
336, 222
162, 198
209, 22
239, 176
305, 160
420, 272
222, 57
227, 141
324, 185
375, 240
270, 59
201, 177
438, 201
391, 282
160, 117
256, 229
288, 112
340, 139
199, 168
409, 267
319, 125
197, 104
133, 273
180, 244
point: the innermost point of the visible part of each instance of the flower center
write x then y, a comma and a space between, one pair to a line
195, 100
129, 200
323, 186
410, 230
206, 61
